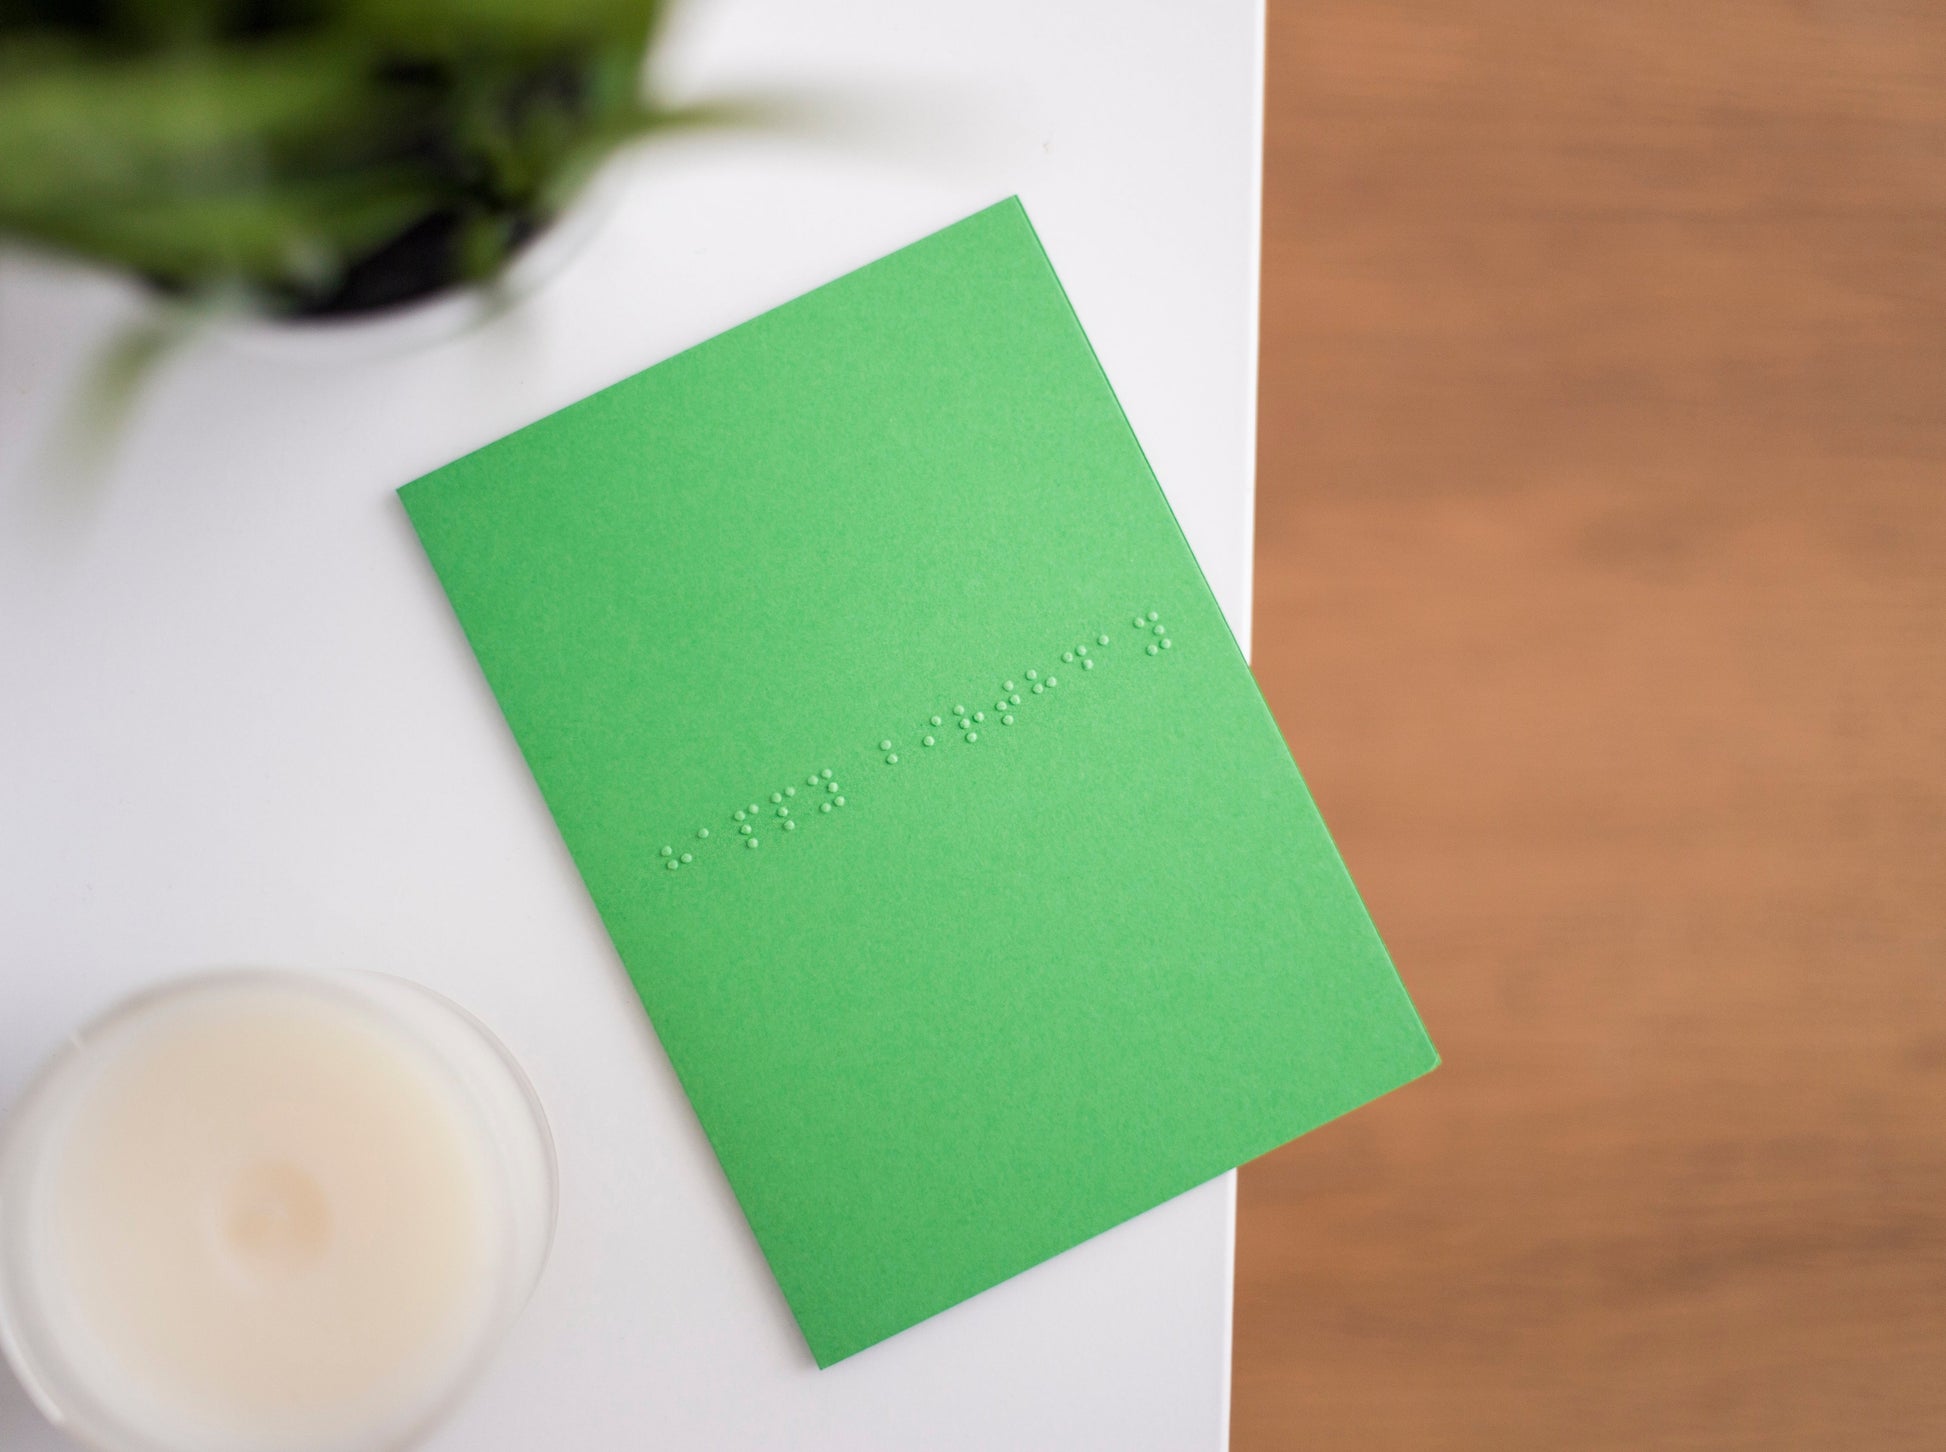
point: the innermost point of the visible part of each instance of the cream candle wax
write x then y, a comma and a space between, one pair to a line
268, 1212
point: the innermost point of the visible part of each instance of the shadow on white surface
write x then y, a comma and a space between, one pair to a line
22, 1427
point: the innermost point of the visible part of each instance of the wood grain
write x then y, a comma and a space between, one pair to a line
1602, 597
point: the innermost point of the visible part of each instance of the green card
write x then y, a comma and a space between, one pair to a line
918, 779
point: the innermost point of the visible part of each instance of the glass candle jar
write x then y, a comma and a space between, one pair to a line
269, 1211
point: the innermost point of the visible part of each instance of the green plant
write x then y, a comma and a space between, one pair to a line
317, 156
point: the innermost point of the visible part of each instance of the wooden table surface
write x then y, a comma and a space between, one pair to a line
1602, 597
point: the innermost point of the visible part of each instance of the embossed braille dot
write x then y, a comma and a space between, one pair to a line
1151, 650
959, 710
1007, 720
1053, 681
936, 721
831, 786
893, 759
1139, 622
1006, 685
1087, 665
826, 773
840, 801
811, 780
668, 852
689, 857
752, 809
1013, 700
740, 814
1154, 616
702, 831
930, 741
790, 791
746, 829
885, 745
963, 722
790, 826
776, 797
1160, 629
1033, 675
674, 865
783, 811
1038, 688
824, 806
1081, 650
1000, 705
1101, 640
751, 844
979, 715
1167, 644
1067, 657
972, 736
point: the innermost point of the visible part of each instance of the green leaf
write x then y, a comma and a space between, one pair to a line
162, 140
296, 236
80, 132
460, 27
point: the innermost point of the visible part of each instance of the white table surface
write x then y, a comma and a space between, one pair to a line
239, 725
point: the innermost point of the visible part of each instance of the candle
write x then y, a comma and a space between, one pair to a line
268, 1212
